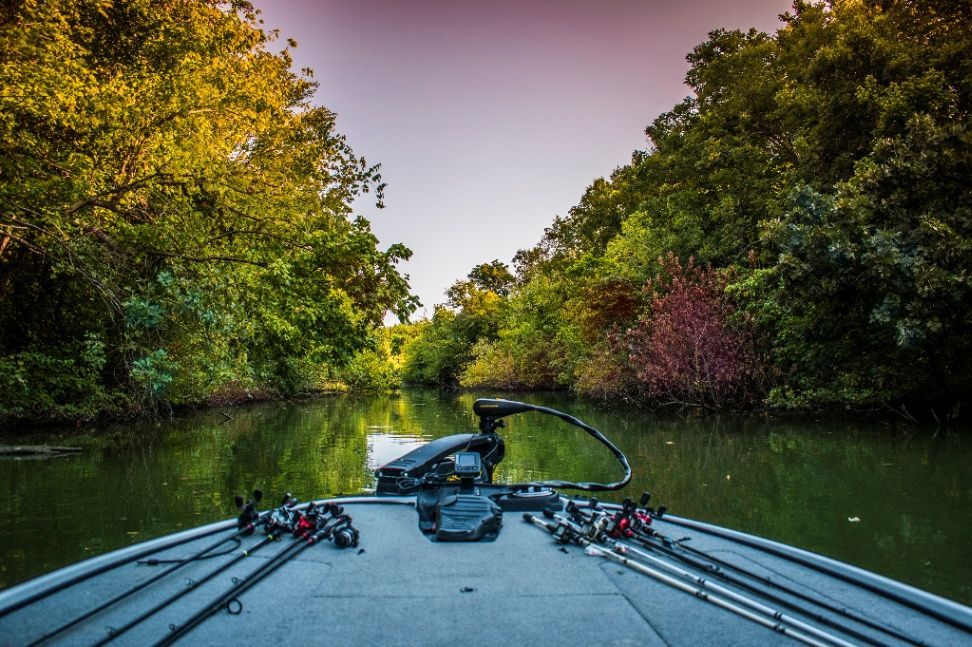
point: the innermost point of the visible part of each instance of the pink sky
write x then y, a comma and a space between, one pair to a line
491, 118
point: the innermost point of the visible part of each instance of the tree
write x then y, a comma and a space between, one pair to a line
826, 169
168, 187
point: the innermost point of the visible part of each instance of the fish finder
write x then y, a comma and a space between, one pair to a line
468, 464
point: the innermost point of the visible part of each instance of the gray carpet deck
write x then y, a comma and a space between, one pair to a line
403, 589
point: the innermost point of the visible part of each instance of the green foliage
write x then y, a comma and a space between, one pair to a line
494, 277
604, 375
167, 185
444, 344
369, 370
154, 372
57, 384
378, 367
825, 168
493, 366
436, 356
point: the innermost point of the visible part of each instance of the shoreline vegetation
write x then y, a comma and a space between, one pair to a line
796, 237
176, 229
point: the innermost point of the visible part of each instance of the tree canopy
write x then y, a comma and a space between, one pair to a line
821, 174
175, 211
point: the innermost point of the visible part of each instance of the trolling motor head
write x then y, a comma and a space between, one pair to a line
491, 412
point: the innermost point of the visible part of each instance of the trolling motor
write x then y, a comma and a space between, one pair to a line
433, 462
453, 477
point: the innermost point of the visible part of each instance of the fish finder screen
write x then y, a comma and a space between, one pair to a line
468, 463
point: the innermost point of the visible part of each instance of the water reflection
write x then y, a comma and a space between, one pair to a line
802, 483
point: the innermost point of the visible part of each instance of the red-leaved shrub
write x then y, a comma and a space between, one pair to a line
684, 349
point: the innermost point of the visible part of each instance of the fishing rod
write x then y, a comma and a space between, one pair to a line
278, 522
634, 524
743, 584
246, 523
622, 549
639, 531
338, 528
100, 565
564, 532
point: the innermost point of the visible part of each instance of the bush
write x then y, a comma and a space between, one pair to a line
604, 376
368, 370
492, 366
685, 351
67, 385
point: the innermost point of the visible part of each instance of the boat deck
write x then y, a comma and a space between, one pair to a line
400, 588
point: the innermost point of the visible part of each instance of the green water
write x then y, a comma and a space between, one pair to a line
795, 482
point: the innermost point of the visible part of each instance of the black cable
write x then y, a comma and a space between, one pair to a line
516, 407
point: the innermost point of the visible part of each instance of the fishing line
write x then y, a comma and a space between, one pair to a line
155, 562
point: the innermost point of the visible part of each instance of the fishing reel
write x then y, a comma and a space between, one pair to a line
307, 522
598, 524
347, 537
249, 516
284, 518
326, 521
563, 531
315, 518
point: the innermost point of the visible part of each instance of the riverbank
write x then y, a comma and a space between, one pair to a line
233, 397
227, 398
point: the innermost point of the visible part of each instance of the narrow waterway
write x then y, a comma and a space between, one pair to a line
888, 498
